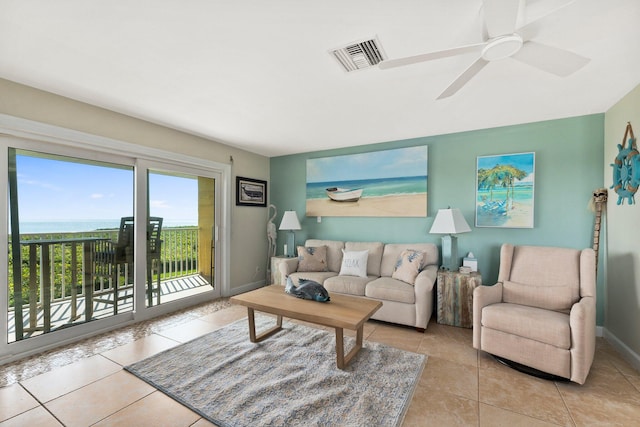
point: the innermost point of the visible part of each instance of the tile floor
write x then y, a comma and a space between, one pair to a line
85, 385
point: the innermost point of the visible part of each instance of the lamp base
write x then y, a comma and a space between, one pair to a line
291, 244
450, 259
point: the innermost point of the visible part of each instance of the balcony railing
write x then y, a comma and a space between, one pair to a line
60, 268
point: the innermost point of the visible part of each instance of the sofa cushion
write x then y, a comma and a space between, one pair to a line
351, 285
549, 327
393, 250
334, 251
375, 254
388, 289
316, 276
312, 258
408, 266
354, 263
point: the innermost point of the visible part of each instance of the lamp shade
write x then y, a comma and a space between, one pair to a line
449, 221
290, 221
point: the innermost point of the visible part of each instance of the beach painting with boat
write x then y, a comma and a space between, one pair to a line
388, 183
504, 190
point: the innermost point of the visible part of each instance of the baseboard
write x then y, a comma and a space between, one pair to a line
600, 331
627, 353
246, 288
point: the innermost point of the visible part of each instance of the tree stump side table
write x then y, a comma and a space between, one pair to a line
455, 297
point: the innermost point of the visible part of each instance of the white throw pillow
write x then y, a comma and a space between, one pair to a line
354, 263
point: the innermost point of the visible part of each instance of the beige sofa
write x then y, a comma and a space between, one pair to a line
402, 303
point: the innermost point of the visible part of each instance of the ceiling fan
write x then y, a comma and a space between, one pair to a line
503, 39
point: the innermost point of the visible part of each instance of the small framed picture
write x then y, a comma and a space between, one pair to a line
251, 192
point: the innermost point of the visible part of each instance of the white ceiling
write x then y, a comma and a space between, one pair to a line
258, 75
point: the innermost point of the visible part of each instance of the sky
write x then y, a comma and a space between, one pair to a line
401, 162
55, 190
522, 161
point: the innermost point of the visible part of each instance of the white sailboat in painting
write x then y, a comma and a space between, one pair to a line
344, 194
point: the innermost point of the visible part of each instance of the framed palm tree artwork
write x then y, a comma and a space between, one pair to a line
505, 190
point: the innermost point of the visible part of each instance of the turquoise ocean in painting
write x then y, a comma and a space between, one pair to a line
523, 193
372, 187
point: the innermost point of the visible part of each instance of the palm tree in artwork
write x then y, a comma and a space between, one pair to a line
509, 174
501, 175
487, 179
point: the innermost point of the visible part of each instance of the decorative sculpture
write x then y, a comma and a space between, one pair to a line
307, 289
596, 203
272, 235
626, 168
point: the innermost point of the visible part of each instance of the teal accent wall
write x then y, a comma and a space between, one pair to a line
568, 167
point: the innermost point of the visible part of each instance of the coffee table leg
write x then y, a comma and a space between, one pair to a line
340, 348
252, 327
341, 360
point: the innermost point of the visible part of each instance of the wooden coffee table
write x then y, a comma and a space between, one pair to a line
342, 312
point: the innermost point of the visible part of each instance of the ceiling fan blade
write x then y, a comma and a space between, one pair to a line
463, 78
530, 29
392, 63
550, 59
500, 16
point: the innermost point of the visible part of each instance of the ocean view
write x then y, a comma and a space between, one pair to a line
73, 226
373, 187
521, 193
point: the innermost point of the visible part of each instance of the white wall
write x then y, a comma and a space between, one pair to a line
248, 224
622, 313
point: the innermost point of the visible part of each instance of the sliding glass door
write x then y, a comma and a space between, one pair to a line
181, 262
99, 239
67, 261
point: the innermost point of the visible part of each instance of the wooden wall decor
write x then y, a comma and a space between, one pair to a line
597, 202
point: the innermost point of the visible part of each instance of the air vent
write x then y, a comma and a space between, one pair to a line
357, 56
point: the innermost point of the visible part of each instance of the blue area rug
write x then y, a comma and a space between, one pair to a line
290, 379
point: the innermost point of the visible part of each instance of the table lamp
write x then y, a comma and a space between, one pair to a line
449, 221
290, 223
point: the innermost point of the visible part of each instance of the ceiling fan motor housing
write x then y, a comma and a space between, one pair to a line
502, 47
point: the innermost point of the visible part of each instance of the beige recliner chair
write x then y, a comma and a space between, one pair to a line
542, 311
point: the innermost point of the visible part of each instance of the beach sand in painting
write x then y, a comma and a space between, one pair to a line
521, 216
414, 205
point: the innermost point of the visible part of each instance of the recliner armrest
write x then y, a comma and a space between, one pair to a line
582, 320
287, 266
482, 297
